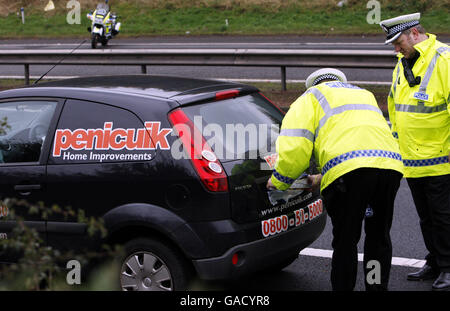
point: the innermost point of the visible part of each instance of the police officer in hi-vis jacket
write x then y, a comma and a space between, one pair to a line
419, 110
360, 166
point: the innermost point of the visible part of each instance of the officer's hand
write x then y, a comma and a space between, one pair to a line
314, 181
270, 185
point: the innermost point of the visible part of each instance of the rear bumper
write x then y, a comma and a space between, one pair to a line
261, 254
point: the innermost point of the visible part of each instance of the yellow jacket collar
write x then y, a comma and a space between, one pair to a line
425, 45
422, 47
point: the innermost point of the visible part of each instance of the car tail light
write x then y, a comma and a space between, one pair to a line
205, 162
235, 259
226, 94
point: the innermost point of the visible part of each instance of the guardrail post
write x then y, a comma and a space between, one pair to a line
283, 78
144, 69
27, 74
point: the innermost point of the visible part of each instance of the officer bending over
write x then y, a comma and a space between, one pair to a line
360, 163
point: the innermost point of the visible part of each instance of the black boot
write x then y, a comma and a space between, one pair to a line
425, 273
442, 283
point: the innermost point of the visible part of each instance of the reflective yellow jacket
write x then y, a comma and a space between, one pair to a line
343, 125
420, 114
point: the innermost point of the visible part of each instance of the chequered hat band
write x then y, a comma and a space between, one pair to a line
392, 31
324, 77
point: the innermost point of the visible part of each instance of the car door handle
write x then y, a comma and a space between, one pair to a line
26, 189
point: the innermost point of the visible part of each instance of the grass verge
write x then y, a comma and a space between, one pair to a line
284, 99
228, 17
6, 84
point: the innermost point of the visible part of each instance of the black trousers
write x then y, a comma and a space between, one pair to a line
431, 196
346, 200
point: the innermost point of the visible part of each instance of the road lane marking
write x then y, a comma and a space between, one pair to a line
396, 261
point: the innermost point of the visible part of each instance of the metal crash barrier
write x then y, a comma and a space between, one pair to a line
281, 58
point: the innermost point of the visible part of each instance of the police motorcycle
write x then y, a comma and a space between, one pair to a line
104, 25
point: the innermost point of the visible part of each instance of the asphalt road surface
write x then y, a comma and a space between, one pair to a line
312, 272
182, 42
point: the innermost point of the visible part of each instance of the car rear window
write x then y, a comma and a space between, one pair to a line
244, 127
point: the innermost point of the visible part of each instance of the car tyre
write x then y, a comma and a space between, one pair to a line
151, 265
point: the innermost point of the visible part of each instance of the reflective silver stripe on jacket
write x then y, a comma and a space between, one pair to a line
426, 78
344, 108
396, 78
329, 112
443, 49
420, 108
298, 133
321, 99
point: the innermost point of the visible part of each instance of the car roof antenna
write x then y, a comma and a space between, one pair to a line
35, 82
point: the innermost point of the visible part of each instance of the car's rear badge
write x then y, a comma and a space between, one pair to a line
150, 137
242, 188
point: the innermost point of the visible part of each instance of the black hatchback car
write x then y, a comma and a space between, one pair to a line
176, 168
